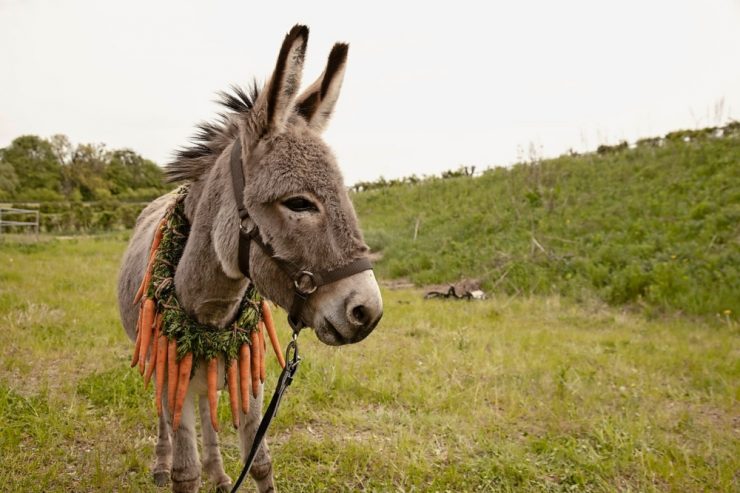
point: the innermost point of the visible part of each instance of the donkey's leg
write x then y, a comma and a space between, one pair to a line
261, 470
163, 459
185, 460
212, 462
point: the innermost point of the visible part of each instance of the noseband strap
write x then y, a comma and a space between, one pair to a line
305, 282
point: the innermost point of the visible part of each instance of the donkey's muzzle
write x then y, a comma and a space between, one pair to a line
348, 310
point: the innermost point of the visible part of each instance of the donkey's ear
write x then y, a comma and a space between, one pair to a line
283, 86
316, 104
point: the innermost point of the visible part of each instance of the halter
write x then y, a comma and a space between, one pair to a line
305, 282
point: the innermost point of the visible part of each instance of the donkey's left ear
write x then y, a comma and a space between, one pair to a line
276, 102
316, 104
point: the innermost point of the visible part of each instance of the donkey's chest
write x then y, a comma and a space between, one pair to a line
217, 312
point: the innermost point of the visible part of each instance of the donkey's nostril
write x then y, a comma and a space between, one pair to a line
360, 315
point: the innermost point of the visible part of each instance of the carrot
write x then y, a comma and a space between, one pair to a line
211, 377
183, 381
144, 283
135, 358
172, 368
147, 324
153, 354
158, 235
152, 254
147, 278
233, 396
263, 349
244, 362
270, 326
140, 291
255, 363
161, 365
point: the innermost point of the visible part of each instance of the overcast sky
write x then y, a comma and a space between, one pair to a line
428, 87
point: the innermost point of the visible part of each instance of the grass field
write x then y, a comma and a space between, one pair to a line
509, 394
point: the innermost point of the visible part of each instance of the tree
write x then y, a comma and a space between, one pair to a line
39, 169
8, 179
129, 171
62, 148
33, 161
86, 171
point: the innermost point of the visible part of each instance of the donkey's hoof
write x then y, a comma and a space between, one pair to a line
161, 478
224, 487
187, 486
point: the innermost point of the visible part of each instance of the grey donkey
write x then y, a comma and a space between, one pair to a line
295, 196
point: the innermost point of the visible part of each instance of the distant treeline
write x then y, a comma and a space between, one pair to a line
33, 169
364, 186
604, 149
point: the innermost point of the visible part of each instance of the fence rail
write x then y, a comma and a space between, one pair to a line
8, 211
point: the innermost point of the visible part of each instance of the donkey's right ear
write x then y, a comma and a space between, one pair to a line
276, 101
316, 104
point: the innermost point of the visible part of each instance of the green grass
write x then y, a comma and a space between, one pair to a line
509, 394
655, 225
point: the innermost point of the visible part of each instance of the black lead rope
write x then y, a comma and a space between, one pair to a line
284, 381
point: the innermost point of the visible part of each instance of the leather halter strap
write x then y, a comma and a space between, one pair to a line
305, 282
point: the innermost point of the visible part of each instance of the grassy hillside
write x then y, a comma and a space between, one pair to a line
657, 224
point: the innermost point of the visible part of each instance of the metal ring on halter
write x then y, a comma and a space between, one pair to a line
242, 227
302, 276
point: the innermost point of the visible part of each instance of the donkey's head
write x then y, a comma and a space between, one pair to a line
296, 198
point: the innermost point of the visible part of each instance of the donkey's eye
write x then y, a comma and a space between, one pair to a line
300, 204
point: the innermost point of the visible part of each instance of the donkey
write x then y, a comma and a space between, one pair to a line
297, 205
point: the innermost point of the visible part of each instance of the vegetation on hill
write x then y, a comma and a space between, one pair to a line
656, 224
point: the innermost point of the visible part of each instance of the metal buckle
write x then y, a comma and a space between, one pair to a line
243, 227
305, 282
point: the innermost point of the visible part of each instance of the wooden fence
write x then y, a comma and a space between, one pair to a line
6, 224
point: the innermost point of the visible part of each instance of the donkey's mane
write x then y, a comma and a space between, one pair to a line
212, 137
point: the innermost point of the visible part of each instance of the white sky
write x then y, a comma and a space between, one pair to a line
428, 87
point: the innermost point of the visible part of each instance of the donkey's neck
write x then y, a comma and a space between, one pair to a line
208, 282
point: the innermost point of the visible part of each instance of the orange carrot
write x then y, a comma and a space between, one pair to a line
244, 362
153, 353
211, 377
147, 324
147, 278
172, 367
183, 381
263, 349
233, 396
140, 291
255, 363
135, 358
152, 254
144, 284
270, 326
161, 365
